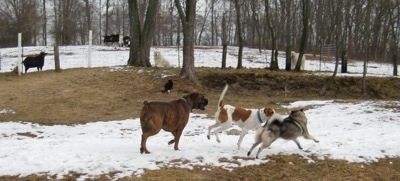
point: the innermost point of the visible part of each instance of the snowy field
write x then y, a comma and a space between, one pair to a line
360, 132
103, 56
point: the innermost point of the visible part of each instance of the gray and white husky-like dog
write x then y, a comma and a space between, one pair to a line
290, 128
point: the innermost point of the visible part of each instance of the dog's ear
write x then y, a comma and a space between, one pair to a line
269, 111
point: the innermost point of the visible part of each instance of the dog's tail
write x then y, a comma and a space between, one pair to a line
146, 118
221, 97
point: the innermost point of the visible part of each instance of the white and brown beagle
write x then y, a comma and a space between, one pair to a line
246, 119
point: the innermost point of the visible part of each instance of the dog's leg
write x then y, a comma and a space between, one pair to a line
177, 136
212, 127
143, 144
149, 130
254, 146
298, 144
266, 144
222, 128
267, 138
242, 134
145, 135
308, 136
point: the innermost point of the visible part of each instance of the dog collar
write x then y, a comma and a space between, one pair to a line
259, 117
190, 107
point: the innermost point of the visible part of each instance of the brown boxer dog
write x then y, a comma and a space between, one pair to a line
170, 116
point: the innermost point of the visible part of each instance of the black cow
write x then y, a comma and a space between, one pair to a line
34, 61
111, 39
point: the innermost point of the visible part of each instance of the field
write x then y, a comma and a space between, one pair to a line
78, 96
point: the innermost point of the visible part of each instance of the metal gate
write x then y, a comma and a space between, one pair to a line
327, 50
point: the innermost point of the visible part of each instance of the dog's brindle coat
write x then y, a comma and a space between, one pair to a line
169, 116
290, 128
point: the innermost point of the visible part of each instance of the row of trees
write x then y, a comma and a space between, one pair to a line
263, 22
361, 27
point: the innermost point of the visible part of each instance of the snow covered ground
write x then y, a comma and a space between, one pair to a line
359, 132
103, 56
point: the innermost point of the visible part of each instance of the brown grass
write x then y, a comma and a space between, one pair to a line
78, 96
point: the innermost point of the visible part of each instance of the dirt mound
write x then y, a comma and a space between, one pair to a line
100, 94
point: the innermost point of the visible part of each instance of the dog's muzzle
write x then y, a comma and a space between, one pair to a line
202, 105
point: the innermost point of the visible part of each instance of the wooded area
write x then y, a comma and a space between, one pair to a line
358, 27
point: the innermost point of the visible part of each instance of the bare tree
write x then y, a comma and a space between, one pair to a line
287, 5
107, 7
18, 16
336, 9
88, 19
367, 34
143, 33
256, 21
239, 33
203, 23
303, 43
224, 41
395, 32
274, 60
188, 18
44, 24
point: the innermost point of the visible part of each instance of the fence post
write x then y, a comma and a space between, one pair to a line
90, 50
19, 61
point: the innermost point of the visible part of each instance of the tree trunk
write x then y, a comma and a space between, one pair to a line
256, 21
304, 37
274, 61
338, 42
287, 38
288, 58
141, 43
367, 32
395, 64
239, 33
56, 59
107, 7
88, 20
224, 41
188, 18
44, 23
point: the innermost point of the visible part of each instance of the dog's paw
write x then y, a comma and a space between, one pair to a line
171, 142
316, 141
208, 136
248, 153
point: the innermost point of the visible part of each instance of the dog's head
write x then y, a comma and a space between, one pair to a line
42, 54
198, 100
268, 111
156, 53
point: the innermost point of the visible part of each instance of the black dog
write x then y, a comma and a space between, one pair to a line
168, 87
